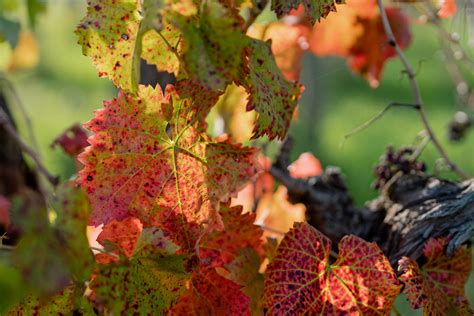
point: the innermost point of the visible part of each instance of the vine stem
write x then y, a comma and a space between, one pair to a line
5, 122
24, 112
416, 92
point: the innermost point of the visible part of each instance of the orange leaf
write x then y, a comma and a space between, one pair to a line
448, 8
359, 35
305, 166
221, 247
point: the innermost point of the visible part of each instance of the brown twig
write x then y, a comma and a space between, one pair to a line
416, 92
24, 112
5, 122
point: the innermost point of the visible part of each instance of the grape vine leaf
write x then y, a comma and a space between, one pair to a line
124, 237
213, 45
115, 34
148, 278
68, 301
314, 9
362, 37
148, 159
212, 294
64, 246
270, 94
141, 285
108, 35
73, 140
221, 247
128, 238
371, 49
244, 270
300, 279
438, 285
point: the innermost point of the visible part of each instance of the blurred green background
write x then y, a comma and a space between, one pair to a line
65, 89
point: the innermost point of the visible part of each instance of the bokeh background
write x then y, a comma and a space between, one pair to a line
64, 89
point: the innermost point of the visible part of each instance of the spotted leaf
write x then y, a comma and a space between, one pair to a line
67, 302
213, 45
222, 247
438, 286
314, 9
270, 94
149, 159
212, 294
108, 34
142, 285
300, 279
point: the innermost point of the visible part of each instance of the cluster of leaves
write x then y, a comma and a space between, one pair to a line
160, 185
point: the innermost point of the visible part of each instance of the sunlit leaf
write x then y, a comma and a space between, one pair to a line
149, 160
300, 279
213, 45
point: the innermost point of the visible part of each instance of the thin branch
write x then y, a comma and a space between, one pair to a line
5, 122
416, 92
376, 118
7, 247
24, 112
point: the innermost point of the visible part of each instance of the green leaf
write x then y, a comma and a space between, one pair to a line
10, 287
213, 45
9, 31
63, 247
143, 285
270, 94
67, 302
313, 9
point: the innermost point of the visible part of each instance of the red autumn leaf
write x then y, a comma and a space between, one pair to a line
448, 8
371, 51
211, 294
221, 247
305, 166
363, 40
300, 279
72, 141
123, 234
150, 159
438, 285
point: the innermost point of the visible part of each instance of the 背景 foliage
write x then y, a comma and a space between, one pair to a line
172, 241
